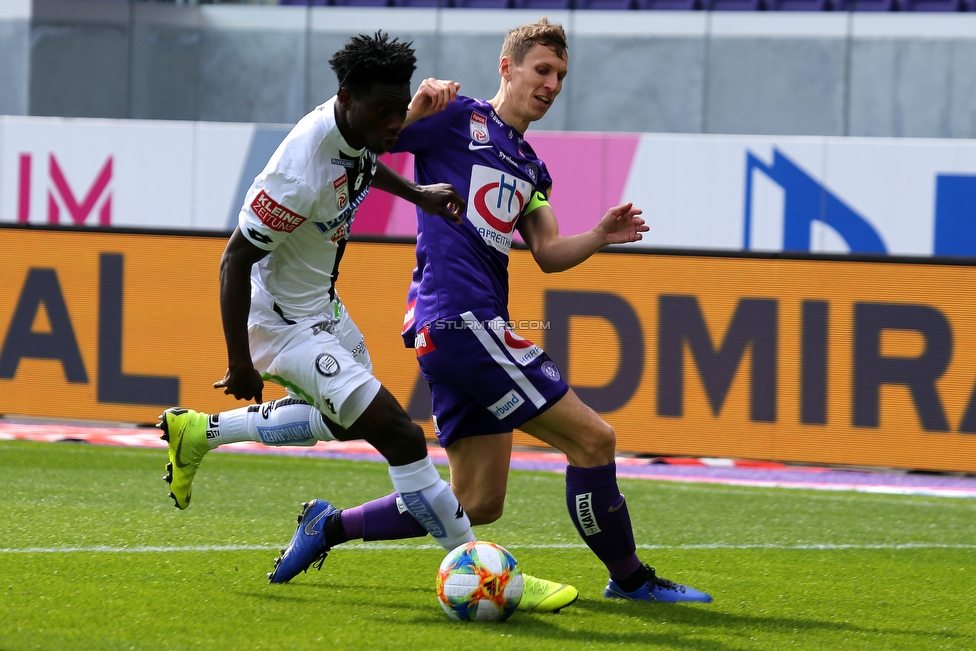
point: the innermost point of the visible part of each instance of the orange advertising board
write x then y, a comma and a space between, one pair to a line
817, 361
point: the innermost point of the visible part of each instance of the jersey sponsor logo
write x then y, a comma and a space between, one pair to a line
507, 404
342, 162
422, 342
349, 214
478, 128
341, 233
359, 349
498, 199
275, 216
522, 350
408, 316
585, 517
341, 187
474, 147
327, 365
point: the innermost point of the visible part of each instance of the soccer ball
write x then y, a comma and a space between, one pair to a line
479, 581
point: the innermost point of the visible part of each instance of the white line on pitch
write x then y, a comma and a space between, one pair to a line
383, 546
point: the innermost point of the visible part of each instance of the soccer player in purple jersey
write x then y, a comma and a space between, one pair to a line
485, 380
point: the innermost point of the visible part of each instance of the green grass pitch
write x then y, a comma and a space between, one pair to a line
94, 556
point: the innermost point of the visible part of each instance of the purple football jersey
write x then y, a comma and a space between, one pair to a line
465, 267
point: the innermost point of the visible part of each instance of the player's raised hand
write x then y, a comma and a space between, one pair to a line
432, 97
441, 199
243, 385
621, 224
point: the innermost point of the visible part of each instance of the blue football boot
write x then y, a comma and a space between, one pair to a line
657, 589
308, 546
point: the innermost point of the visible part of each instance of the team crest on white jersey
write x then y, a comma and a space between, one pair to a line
495, 201
479, 128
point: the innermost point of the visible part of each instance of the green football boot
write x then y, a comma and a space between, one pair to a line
186, 432
541, 596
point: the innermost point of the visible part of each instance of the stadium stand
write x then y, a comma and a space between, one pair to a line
562, 5
667, 5
421, 3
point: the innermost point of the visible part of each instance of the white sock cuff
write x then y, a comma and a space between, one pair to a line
415, 476
316, 424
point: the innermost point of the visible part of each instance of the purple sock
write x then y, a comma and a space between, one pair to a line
352, 522
600, 514
381, 520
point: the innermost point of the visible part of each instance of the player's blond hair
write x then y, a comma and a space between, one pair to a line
520, 40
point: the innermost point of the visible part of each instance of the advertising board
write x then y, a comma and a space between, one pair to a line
829, 360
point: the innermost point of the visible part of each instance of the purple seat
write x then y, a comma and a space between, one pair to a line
867, 5
934, 5
544, 4
421, 3
735, 5
484, 4
605, 4
672, 5
360, 3
799, 5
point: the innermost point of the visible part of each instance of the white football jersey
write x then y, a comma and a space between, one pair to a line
300, 207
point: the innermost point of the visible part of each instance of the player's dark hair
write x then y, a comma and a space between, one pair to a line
373, 59
520, 40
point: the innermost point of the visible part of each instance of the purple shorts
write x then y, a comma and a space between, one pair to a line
484, 378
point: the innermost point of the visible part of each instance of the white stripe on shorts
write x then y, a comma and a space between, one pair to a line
497, 354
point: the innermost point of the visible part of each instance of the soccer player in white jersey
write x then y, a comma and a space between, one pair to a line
485, 380
283, 320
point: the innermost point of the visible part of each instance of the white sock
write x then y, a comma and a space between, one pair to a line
280, 422
432, 502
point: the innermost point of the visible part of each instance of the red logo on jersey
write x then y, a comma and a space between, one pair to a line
521, 349
422, 343
275, 216
408, 316
341, 186
479, 127
513, 196
515, 341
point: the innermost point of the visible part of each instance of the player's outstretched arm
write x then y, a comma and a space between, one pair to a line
432, 97
553, 252
241, 379
435, 199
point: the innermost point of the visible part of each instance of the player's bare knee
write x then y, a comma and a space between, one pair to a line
484, 510
599, 445
405, 442
387, 427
